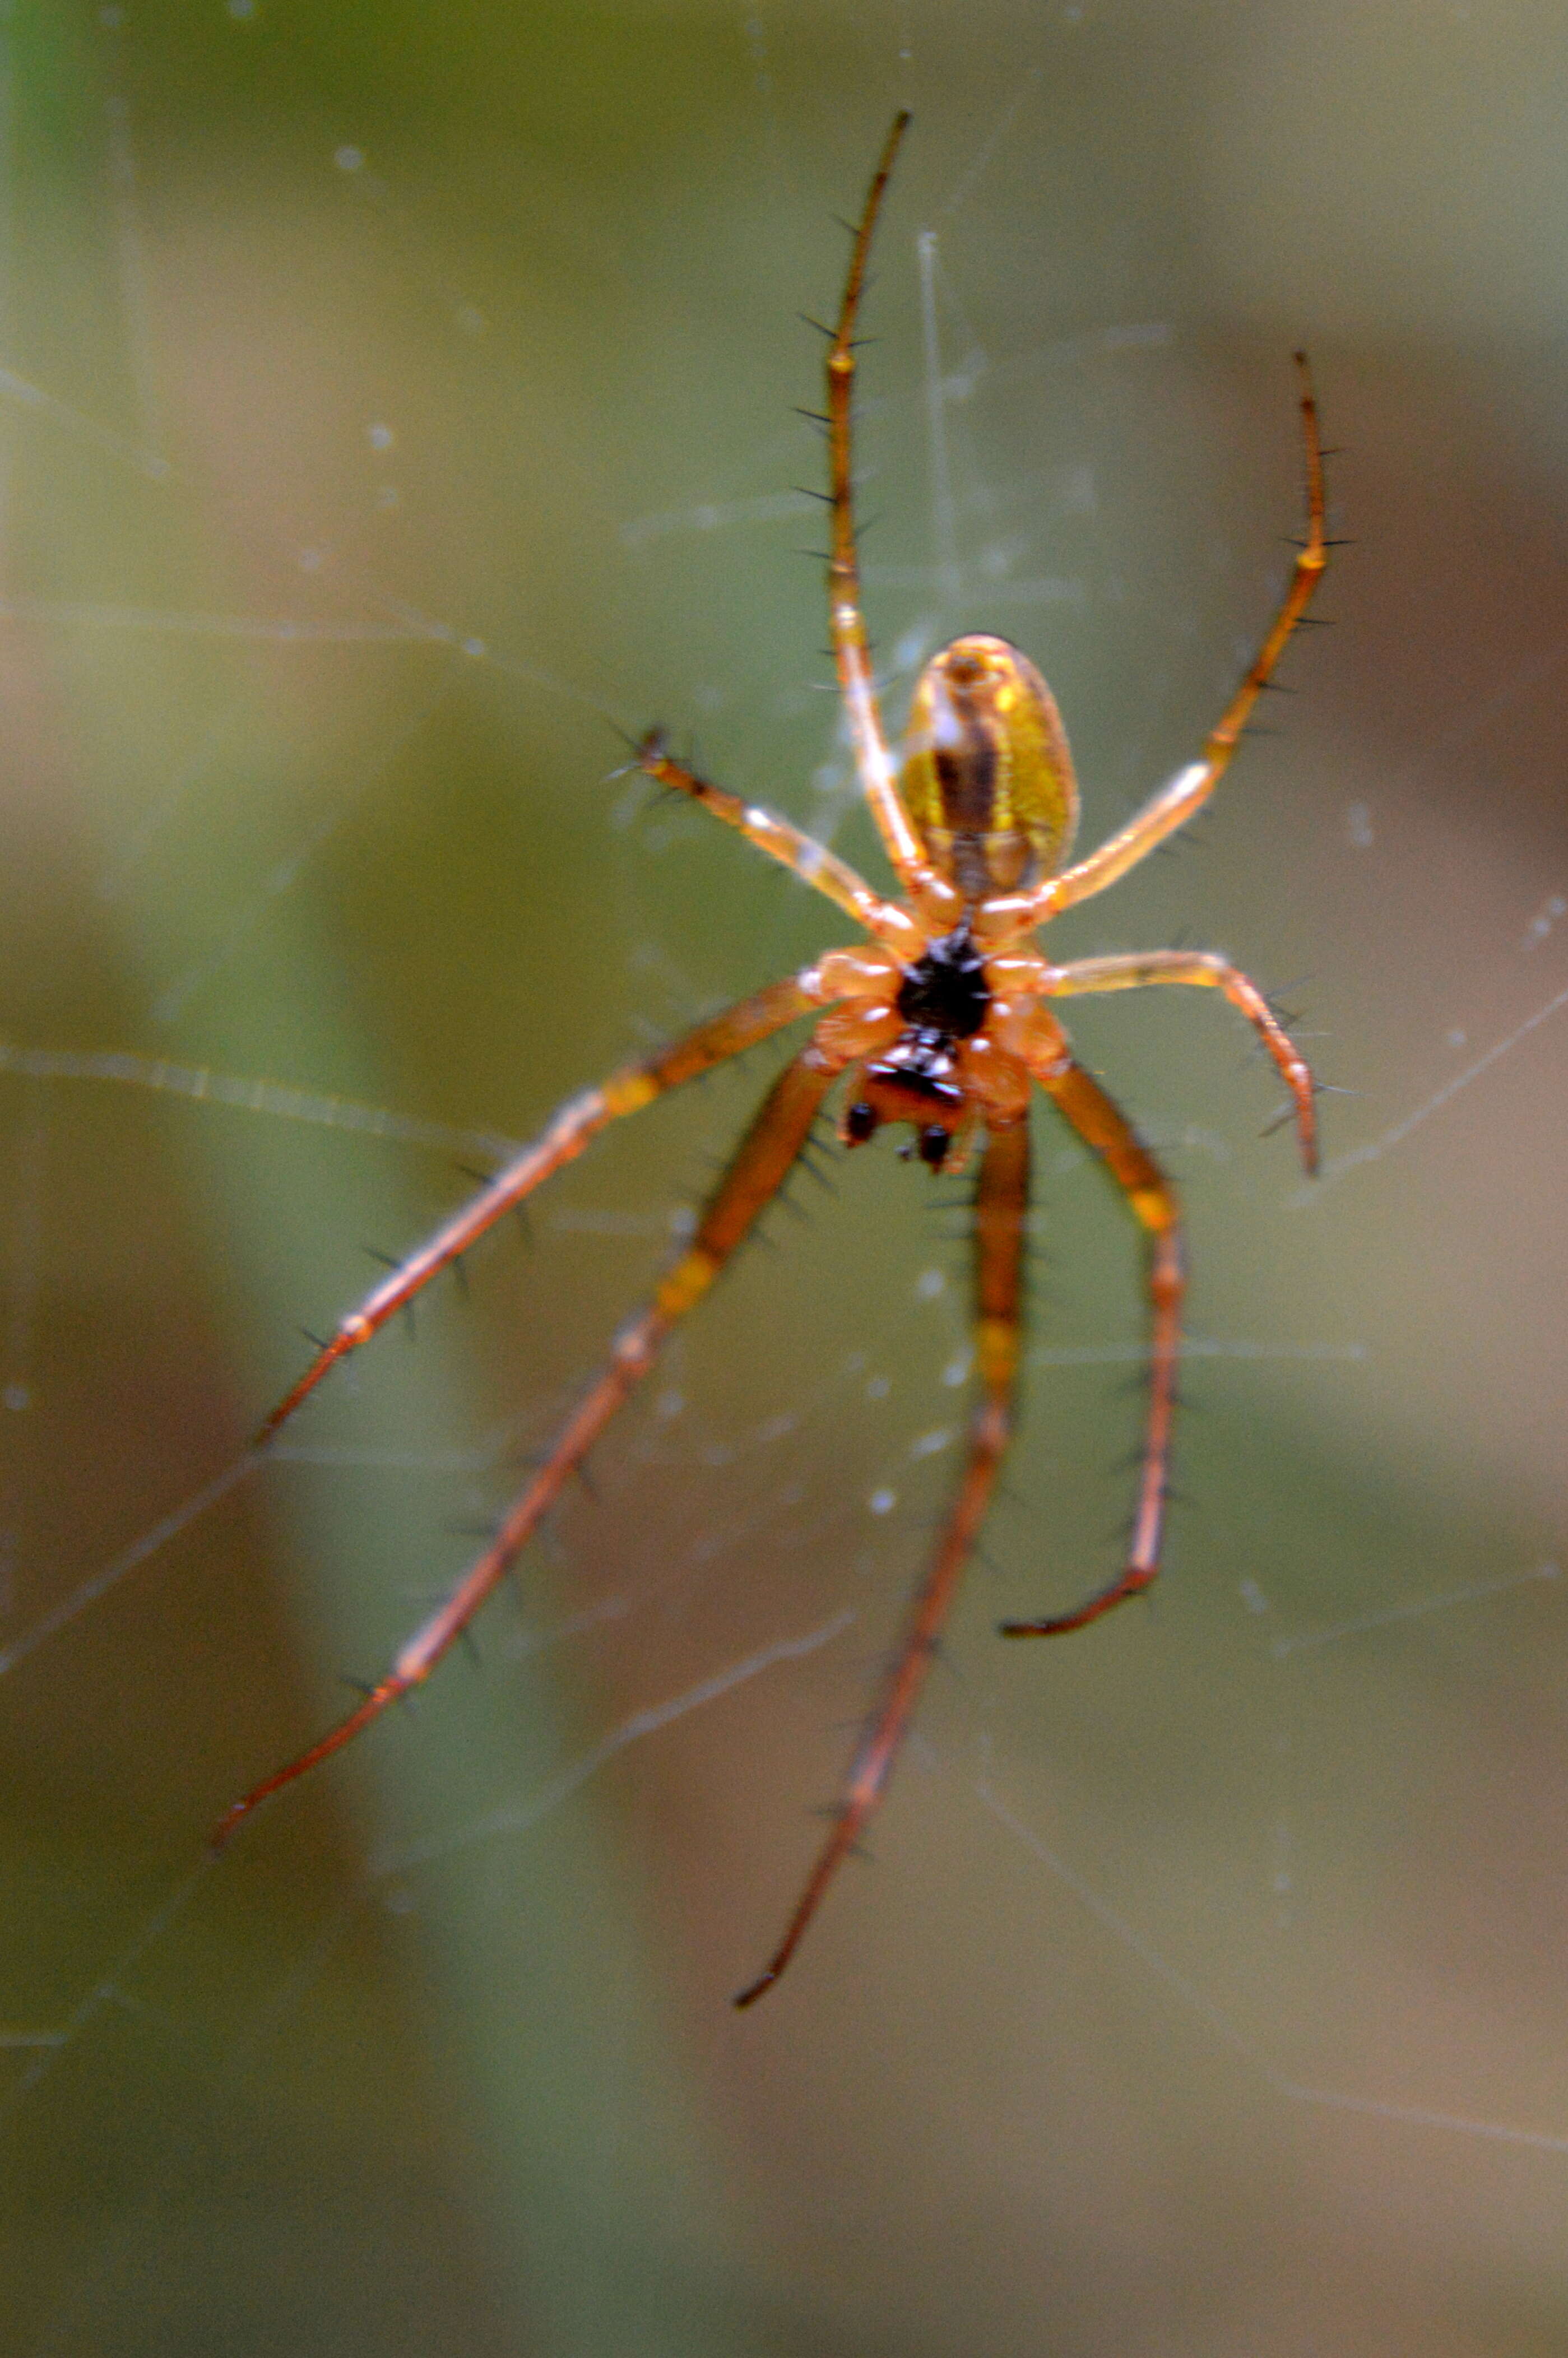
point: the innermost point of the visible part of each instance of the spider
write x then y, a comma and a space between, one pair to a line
943, 1018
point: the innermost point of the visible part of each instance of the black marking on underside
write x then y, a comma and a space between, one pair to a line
946, 991
967, 780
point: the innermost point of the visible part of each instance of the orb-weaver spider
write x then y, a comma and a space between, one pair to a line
940, 1019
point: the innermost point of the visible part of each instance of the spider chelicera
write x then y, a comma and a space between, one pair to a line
941, 1018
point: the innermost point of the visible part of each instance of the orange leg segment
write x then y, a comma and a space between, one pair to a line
1102, 1125
753, 1177
1138, 968
632, 1086
846, 620
810, 861
1001, 1203
1191, 788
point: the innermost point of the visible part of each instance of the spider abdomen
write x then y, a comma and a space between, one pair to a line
987, 776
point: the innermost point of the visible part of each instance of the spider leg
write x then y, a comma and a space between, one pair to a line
1001, 1203
626, 1090
756, 1171
1191, 788
847, 626
810, 861
1132, 971
1101, 1124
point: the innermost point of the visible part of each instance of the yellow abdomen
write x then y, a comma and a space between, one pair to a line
988, 778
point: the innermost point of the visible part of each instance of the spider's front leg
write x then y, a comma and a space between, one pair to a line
756, 1171
1102, 1126
628, 1090
1001, 1206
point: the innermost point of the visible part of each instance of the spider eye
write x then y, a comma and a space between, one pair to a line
933, 1146
860, 1121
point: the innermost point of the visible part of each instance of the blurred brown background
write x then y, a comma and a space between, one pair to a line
394, 401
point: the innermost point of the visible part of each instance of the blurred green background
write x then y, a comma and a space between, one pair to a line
394, 403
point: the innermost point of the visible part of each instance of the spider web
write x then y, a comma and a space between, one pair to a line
387, 422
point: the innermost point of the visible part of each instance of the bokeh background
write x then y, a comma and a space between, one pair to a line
394, 403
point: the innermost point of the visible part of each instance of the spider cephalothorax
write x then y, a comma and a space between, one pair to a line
941, 1017
944, 998
946, 991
